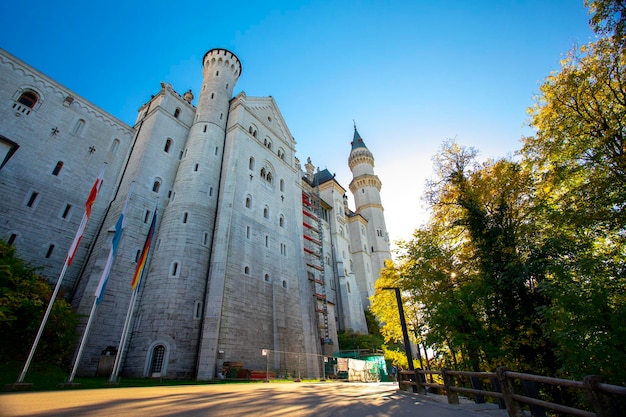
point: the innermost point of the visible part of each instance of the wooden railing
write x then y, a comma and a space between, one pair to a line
604, 399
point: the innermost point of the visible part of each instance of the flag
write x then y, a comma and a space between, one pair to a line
119, 227
91, 199
141, 263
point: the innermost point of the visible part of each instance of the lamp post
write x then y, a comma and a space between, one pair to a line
405, 334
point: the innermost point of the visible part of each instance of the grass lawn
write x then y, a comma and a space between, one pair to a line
47, 377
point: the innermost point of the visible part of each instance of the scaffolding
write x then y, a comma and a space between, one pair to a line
313, 236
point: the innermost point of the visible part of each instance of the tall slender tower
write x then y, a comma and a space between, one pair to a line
170, 315
365, 187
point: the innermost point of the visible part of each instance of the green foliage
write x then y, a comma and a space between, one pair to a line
24, 296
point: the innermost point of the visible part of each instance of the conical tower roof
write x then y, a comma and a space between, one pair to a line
357, 141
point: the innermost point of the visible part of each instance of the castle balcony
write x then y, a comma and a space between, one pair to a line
320, 296
321, 310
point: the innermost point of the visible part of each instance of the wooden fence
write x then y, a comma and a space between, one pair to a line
506, 388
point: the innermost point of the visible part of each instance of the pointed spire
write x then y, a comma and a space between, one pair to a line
357, 141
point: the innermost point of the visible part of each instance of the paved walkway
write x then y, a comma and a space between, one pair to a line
232, 400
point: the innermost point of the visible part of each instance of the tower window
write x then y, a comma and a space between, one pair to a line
267, 277
195, 167
281, 221
251, 164
248, 202
174, 269
247, 232
146, 217
67, 211
212, 96
284, 284
32, 199
267, 241
185, 217
205, 238
57, 168
168, 145
266, 212
197, 310
50, 250
246, 270
156, 186
177, 112
379, 232
12, 238
137, 255
217, 73
204, 128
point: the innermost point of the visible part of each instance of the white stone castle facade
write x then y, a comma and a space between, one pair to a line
252, 251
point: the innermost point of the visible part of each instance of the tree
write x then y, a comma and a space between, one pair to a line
578, 157
24, 295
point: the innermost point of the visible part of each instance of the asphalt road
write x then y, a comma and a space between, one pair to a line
232, 400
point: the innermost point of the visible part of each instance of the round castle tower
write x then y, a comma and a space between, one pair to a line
365, 187
171, 305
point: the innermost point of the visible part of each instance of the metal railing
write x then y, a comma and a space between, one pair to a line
604, 399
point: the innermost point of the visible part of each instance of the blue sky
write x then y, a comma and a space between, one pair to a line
410, 73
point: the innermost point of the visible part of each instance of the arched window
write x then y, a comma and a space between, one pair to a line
177, 112
50, 250
263, 173
282, 185
168, 145
266, 212
174, 269
156, 186
28, 98
246, 270
251, 164
269, 177
281, 221
156, 364
57, 169
78, 127
267, 277
114, 145
12, 238
248, 202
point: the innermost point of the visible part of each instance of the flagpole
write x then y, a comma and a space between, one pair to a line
122, 345
82, 343
42, 325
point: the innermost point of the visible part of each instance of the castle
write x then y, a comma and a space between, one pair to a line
252, 250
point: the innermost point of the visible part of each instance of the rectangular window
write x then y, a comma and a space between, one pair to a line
32, 199
67, 211
146, 218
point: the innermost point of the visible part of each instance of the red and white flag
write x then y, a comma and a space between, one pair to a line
88, 205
